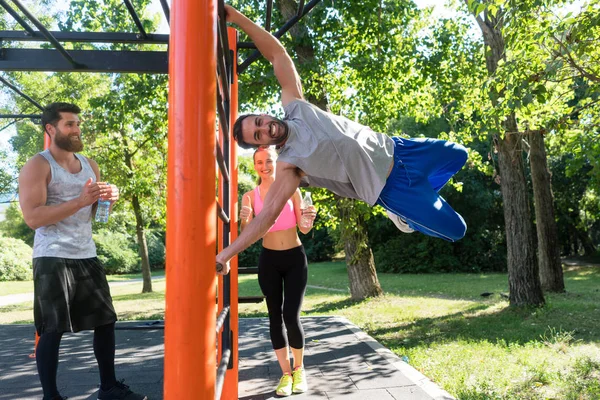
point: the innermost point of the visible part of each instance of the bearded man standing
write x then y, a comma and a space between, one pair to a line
58, 191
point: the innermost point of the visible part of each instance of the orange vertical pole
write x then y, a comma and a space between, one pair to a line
37, 337
220, 232
230, 386
190, 359
46, 140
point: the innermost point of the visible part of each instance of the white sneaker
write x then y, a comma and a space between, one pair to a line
399, 222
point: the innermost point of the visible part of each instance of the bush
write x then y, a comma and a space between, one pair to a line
249, 257
116, 251
156, 249
319, 245
15, 260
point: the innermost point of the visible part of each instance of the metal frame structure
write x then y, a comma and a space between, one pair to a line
197, 95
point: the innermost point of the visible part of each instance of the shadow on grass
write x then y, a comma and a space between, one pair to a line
330, 307
506, 326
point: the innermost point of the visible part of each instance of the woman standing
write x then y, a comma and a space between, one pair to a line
282, 268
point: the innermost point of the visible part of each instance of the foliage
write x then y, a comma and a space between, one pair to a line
14, 225
156, 249
249, 257
15, 260
117, 252
319, 245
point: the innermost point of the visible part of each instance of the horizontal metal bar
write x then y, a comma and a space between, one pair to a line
85, 37
221, 371
16, 16
94, 60
248, 271
160, 324
135, 17
221, 214
47, 34
250, 299
30, 116
254, 56
20, 93
244, 45
221, 318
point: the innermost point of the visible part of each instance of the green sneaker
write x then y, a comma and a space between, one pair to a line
299, 385
285, 386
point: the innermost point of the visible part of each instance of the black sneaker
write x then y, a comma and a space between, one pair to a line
59, 397
120, 392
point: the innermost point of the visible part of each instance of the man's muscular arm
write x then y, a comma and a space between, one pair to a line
288, 179
33, 181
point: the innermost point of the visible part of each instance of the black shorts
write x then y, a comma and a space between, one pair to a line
70, 295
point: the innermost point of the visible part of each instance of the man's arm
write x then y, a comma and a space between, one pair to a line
33, 181
272, 50
286, 183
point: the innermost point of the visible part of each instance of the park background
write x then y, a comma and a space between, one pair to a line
516, 82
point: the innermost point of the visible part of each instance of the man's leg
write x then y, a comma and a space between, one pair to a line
47, 362
427, 212
51, 285
422, 167
104, 350
436, 159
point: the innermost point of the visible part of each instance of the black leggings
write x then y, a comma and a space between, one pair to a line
279, 272
46, 357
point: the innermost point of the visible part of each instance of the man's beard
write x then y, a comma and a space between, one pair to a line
70, 143
286, 132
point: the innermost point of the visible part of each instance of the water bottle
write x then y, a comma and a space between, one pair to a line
103, 210
306, 202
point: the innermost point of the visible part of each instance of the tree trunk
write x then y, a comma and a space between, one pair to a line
523, 279
139, 224
359, 257
143, 245
551, 273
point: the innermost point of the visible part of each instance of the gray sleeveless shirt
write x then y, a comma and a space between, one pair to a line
71, 237
336, 153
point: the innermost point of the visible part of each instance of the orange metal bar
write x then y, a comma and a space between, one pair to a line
220, 232
37, 337
46, 141
190, 340
230, 386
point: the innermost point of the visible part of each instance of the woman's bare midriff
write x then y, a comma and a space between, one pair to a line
281, 240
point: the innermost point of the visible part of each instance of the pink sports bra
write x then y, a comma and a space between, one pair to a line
287, 218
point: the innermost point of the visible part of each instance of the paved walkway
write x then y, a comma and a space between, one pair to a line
342, 362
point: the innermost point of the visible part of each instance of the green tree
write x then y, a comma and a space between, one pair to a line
524, 282
130, 148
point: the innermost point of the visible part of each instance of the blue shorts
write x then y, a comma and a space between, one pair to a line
421, 168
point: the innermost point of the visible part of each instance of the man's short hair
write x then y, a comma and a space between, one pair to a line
237, 132
51, 113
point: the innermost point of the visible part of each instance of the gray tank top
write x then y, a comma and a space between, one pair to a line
71, 237
336, 153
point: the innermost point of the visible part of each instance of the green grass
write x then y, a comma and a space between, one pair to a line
16, 287
474, 347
